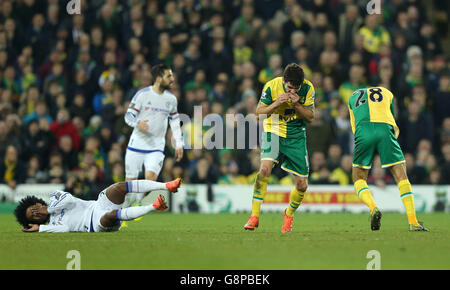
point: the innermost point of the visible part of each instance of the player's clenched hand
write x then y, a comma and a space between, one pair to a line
294, 98
283, 98
32, 228
143, 126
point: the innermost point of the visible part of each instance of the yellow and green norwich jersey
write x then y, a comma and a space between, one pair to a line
373, 39
284, 120
375, 104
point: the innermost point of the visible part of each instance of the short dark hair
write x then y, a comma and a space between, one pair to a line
158, 70
21, 210
294, 74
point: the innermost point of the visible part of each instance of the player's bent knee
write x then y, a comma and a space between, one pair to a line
264, 171
301, 185
109, 219
116, 192
150, 175
359, 173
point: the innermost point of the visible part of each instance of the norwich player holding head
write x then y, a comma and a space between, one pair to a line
288, 103
373, 124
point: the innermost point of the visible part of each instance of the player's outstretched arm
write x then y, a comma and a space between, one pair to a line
32, 228
174, 122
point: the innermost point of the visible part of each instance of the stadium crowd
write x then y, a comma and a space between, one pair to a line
66, 82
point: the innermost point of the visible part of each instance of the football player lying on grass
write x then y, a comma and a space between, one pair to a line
66, 213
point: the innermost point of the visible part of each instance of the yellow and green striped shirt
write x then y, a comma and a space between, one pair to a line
284, 121
374, 104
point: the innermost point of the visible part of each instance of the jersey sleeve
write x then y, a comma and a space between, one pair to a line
60, 200
352, 118
133, 111
393, 107
174, 123
53, 229
174, 108
310, 97
266, 95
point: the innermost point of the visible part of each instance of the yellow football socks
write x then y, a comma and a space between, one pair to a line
407, 197
295, 199
362, 189
259, 191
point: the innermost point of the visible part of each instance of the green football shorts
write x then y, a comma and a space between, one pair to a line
371, 138
291, 151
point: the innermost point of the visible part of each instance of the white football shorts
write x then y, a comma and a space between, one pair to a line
134, 159
102, 206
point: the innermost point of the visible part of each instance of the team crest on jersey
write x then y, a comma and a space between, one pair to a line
167, 104
263, 95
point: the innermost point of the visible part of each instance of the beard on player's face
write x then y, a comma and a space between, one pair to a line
166, 84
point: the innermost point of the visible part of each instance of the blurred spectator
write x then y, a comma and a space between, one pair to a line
104, 98
334, 156
445, 131
7, 138
79, 108
12, 170
34, 174
92, 152
243, 24
93, 127
230, 174
374, 33
415, 126
349, 24
343, 174
322, 177
416, 174
203, 173
295, 22
199, 81
80, 85
355, 82
320, 133
64, 126
39, 112
36, 142
317, 161
117, 173
441, 99
344, 135
316, 34
273, 69
38, 37
379, 178
445, 162
68, 153
435, 177
28, 100
241, 51
378, 175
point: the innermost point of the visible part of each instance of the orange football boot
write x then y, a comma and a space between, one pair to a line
252, 223
160, 203
287, 225
173, 185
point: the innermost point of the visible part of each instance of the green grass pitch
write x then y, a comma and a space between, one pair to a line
168, 241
